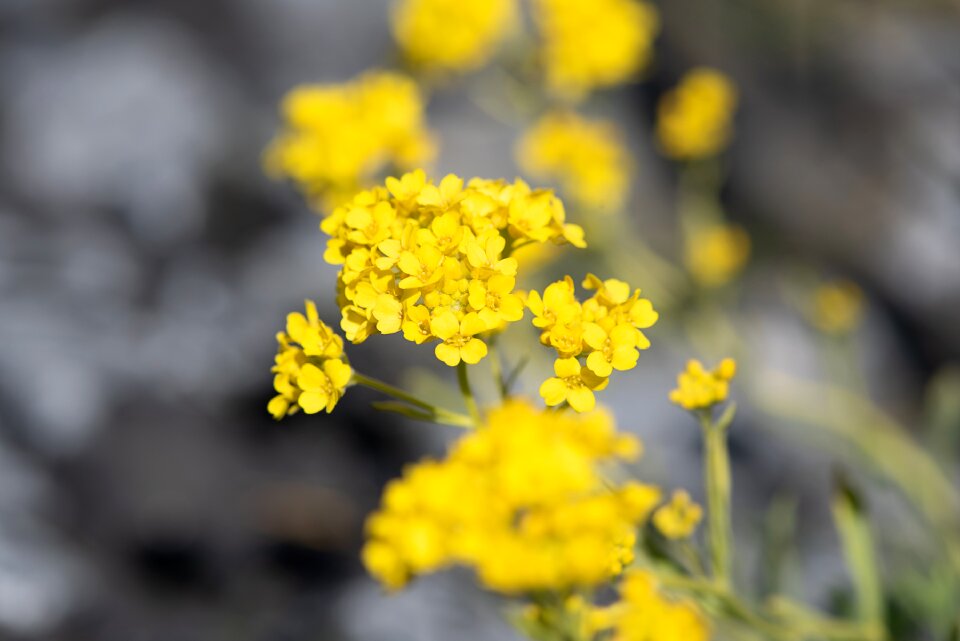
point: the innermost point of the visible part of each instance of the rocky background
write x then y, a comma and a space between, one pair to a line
146, 262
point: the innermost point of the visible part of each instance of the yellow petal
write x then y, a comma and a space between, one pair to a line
566, 367
473, 351
278, 406
313, 402
445, 325
581, 399
472, 324
312, 377
553, 391
338, 372
599, 365
448, 354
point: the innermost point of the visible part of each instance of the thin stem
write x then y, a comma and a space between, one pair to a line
496, 368
718, 489
468, 398
420, 409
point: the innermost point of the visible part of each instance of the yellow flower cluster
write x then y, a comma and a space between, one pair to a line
679, 518
643, 613
433, 261
591, 44
715, 253
521, 501
452, 35
585, 156
604, 330
837, 307
310, 370
699, 389
695, 117
337, 137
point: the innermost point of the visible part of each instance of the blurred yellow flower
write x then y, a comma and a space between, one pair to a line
699, 389
586, 157
837, 307
593, 44
644, 613
310, 372
521, 501
337, 137
679, 518
452, 35
695, 118
604, 331
716, 253
433, 261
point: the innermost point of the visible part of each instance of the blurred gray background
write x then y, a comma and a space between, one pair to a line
146, 262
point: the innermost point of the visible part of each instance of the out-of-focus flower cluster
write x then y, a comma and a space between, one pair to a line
698, 388
837, 307
521, 500
715, 253
310, 370
679, 518
452, 35
645, 613
593, 45
337, 137
592, 338
433, 261
586, 157
695, 118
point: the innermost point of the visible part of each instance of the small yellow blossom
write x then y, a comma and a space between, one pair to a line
433, 260
699, 389
521, 501
594, 44
716, 253
679, 518
458, 338
644, 613
695, 118
452, 35
605, 331
310, 372
837, 307
337, 137
586, 157
573, 384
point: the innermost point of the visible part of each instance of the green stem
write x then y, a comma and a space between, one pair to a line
718, 489
421, 409
496, 368
468, 398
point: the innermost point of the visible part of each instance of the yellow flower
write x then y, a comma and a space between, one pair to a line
337, 137
593, 44
837, 307
573, 384
414, 254
520, 500
458, 338
694, 119
604, 331
679, 518
494, 300
700, 389
585, 156
558, 304
715, 254
452, 35
644, 613
310, 371
614, 350
322, 388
